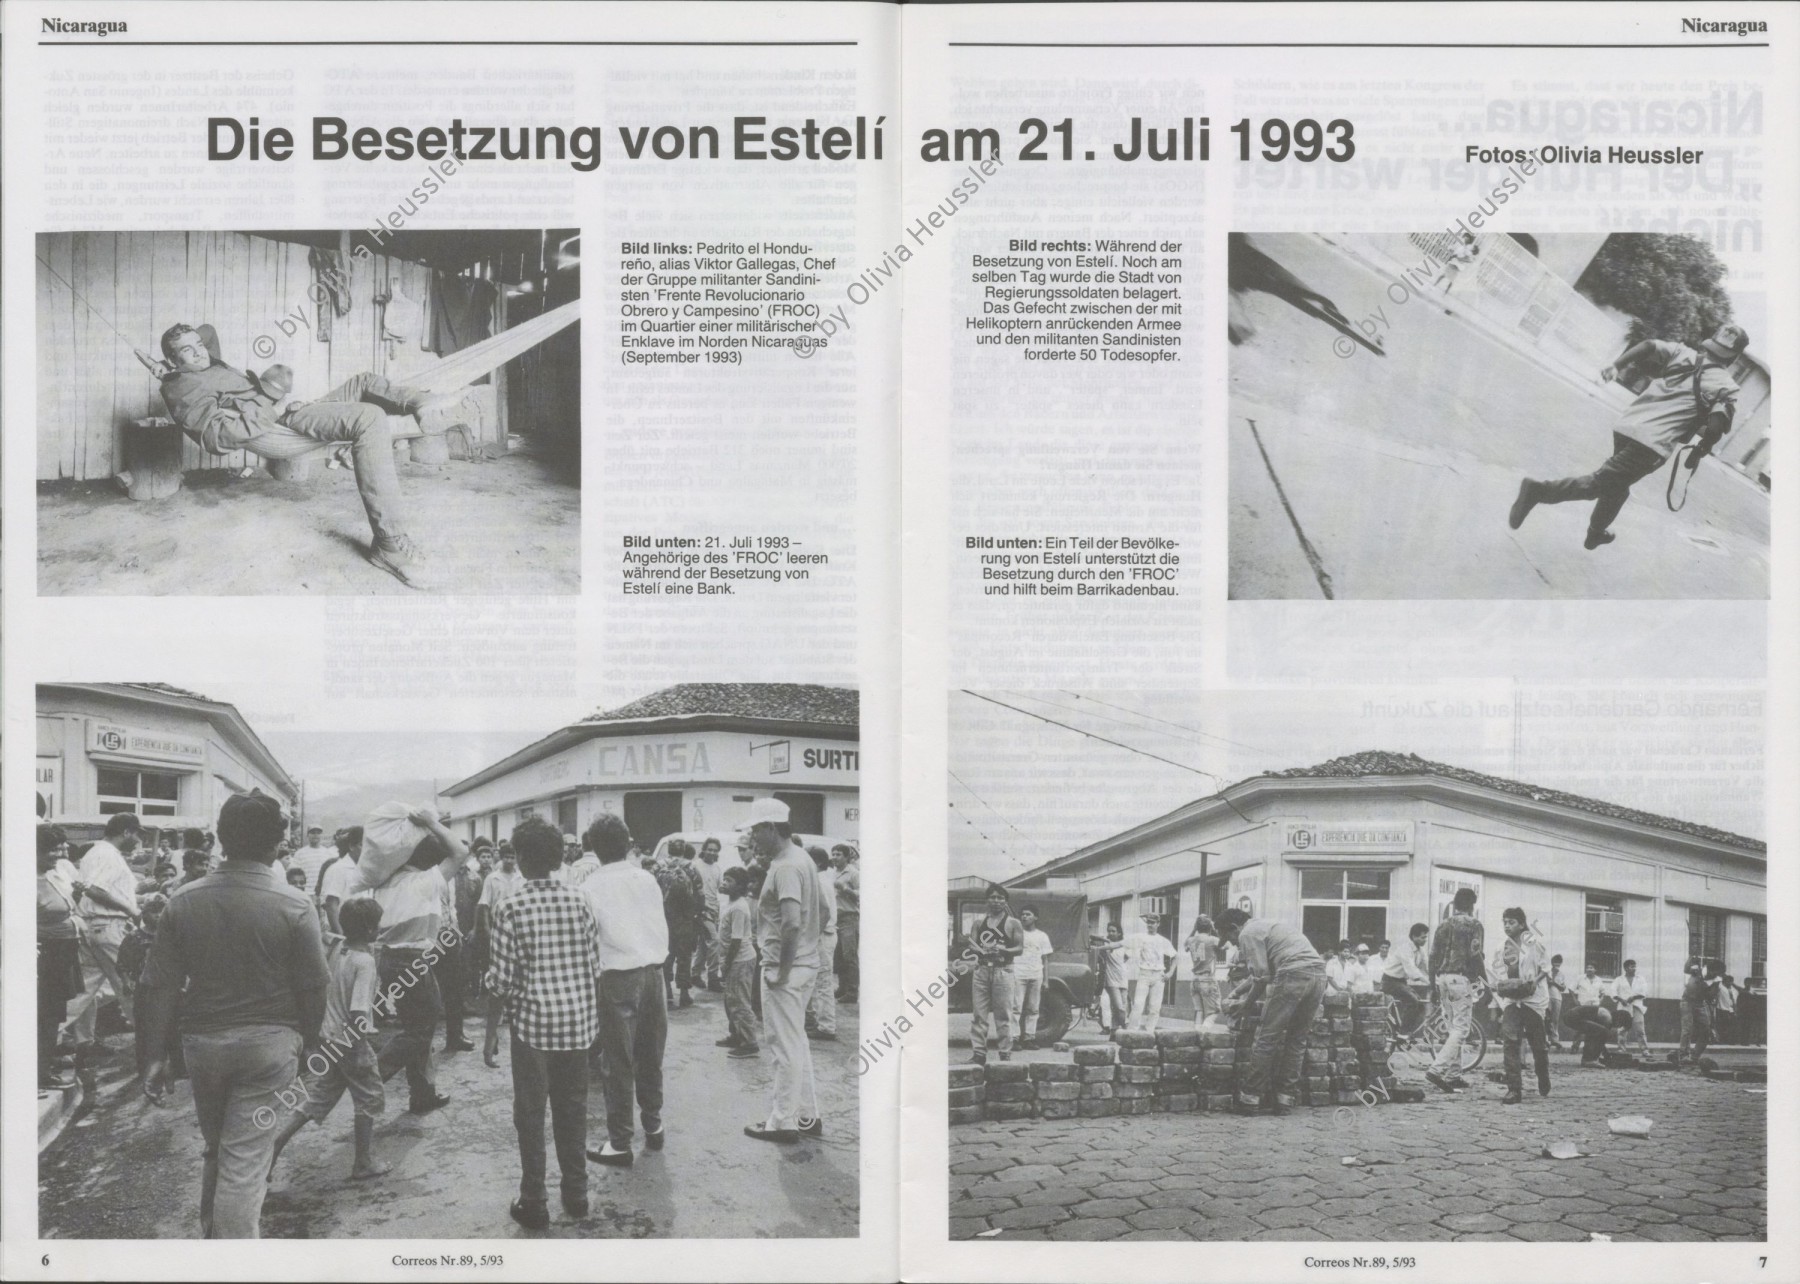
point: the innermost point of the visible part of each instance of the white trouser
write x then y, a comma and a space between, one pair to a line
1149, 1004
790, 1054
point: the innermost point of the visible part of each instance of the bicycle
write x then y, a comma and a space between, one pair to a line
1416, 1049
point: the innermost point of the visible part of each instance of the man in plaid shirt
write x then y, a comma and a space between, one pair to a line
544, 972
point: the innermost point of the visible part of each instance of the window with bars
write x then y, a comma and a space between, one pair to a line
1759, 946
1605, 933
1706, 936
146, 793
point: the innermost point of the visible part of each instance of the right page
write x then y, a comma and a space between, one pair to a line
1349, 642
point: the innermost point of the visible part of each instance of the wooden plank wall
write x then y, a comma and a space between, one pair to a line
90, 386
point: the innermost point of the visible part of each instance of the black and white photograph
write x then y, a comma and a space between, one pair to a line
601, 981
1358, 966
1462, 414
309, 412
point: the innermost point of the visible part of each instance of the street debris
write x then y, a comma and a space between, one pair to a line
1630, 1125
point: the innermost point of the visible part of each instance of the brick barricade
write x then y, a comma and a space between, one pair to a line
1178, 1071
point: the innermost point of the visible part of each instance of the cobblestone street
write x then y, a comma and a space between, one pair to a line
1453, 1168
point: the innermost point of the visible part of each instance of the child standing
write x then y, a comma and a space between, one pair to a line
736, 933
345, 1059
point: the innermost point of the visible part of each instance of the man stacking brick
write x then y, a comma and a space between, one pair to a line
1293, 982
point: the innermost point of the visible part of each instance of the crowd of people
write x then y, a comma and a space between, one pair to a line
279, 977
1531, 1001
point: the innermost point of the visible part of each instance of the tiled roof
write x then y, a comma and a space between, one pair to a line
1381, 762
776, 701
163, 688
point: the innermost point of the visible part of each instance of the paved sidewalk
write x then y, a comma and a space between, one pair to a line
1400, 469
131, 1170
1454, 1168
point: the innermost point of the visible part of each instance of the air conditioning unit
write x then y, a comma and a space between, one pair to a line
1610, 921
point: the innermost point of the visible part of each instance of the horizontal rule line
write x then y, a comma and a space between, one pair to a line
1309, 44
293, 44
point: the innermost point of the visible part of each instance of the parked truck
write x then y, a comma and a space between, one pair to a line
1069, 985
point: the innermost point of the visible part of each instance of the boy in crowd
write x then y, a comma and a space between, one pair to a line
737, 940
345, 1059
1028, 977
545, 973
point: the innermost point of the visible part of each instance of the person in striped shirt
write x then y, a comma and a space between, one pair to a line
544, 971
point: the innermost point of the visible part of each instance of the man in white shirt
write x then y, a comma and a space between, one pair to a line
413, 921
1405, 978
1153, 955
108, 908
334, 875
1339, 969
789, 918
1634, 998
311, 858
1028, 977
1365, 972
821, 1007
634, 1018
1591, 1016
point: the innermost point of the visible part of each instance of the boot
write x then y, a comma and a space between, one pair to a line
1529, 492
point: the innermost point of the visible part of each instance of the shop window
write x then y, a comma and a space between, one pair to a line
1336, 904
1605, 933
147, 793
1706, 936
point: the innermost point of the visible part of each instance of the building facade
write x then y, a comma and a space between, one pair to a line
173, 757
1363, 847
688, 759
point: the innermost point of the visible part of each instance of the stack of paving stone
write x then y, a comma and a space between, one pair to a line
1174, 1071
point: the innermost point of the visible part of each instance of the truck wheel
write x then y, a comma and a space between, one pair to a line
1053, 1017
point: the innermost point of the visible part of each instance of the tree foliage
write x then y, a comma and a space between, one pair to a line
1673, 287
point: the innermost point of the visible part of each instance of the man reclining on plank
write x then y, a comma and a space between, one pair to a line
226, 409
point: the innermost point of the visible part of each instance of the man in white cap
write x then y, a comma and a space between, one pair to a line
311, 859
1688, 391
789, 917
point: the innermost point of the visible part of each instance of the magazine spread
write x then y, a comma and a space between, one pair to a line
1096, 627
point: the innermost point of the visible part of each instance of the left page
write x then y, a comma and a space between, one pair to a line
448, 589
